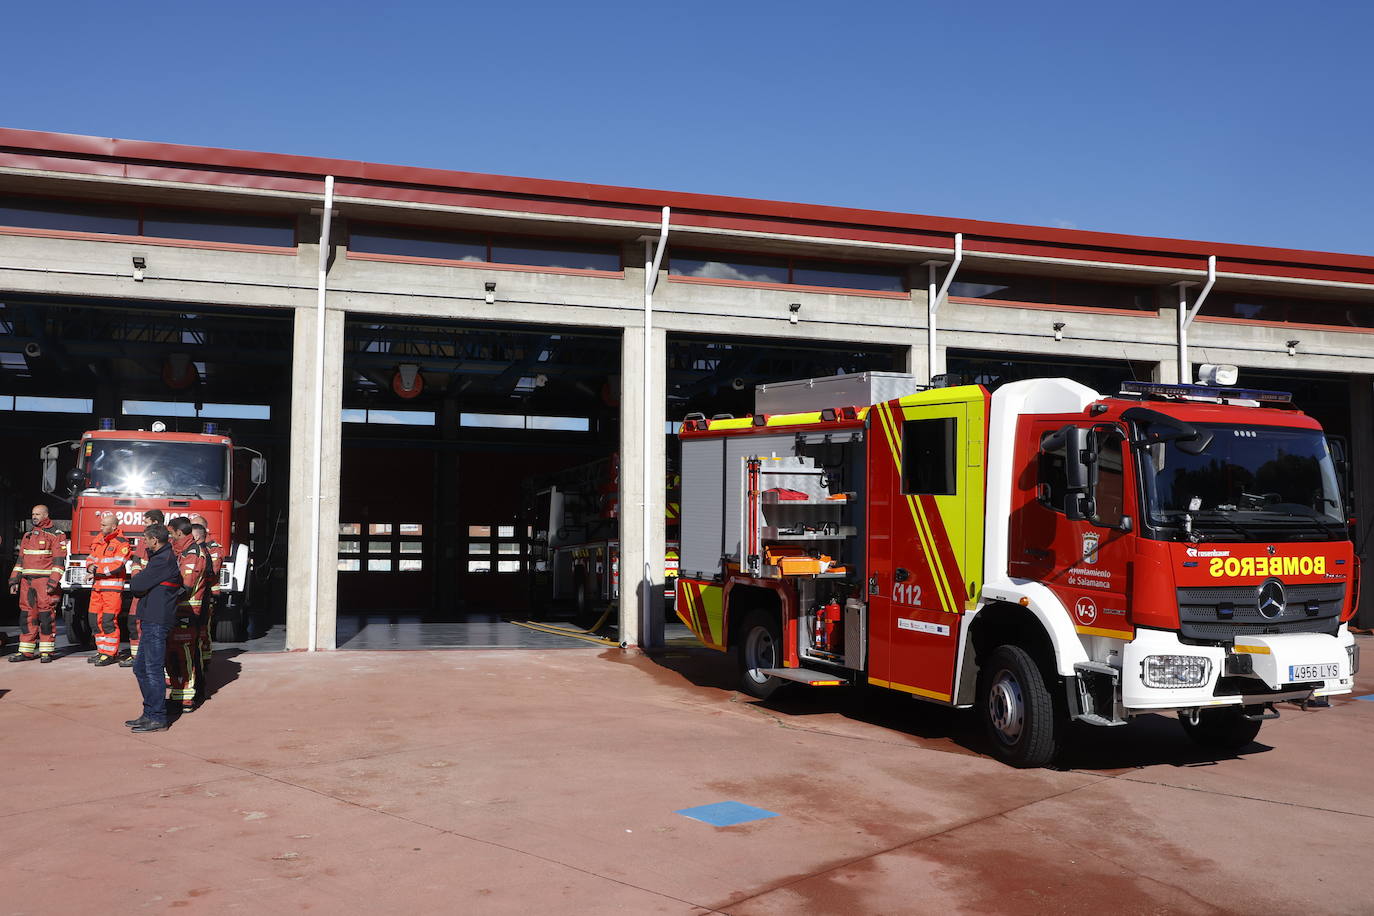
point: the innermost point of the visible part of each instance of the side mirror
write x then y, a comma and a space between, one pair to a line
257, 470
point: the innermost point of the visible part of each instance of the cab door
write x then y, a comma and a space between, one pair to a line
926, 562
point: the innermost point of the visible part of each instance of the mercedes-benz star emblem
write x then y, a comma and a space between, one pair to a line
1271, 549
1270, 599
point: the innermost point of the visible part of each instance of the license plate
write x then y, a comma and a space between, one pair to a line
1311, 672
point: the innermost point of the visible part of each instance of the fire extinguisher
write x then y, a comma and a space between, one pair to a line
827, 620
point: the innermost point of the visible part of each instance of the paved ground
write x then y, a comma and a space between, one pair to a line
548, 781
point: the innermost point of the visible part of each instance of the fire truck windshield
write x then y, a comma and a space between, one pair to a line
136, 467
1250, 483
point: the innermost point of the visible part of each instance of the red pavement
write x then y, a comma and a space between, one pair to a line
547, 781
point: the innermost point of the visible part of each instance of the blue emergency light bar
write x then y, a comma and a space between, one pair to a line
1173, 390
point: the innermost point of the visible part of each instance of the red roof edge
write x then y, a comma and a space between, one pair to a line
227, 160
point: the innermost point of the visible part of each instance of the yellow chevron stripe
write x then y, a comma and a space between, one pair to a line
923, 531
1100, 631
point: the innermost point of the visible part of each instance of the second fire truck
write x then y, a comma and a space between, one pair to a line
1044, 553
128, 472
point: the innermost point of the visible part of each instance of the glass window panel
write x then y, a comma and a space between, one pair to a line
350, 546
492, 420
401, 417
410, 565
353, 415
379, 547
479, 566
721, 266
412, 529
68, 216
505, 531
1004, 288
412, 547
350, 565
511, 548
236, 411
53, 405
479, 547
379, 565
479, 531
928, 456
508, 566
377, 528
561, 424
210, 226
350, 528
535, 253
417, 243
849, 276
157, 409
6, 402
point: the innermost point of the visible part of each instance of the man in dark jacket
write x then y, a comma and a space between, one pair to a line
158, 586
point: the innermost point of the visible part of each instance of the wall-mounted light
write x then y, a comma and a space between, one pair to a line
1293, 347
792, 309
1059, 330
491, 292
140, 265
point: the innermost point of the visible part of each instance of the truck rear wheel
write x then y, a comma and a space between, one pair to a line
759, 647
1017, 709
585, 614
1224, 729
229, 625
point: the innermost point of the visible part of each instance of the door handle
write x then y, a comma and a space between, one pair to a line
1036, 552
901, 575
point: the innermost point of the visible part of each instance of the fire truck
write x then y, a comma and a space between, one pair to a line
1044, 554
128, 472
575, 547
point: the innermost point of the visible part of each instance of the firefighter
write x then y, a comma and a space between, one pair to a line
183, 642
137, 561
37, 578
109, 552
200, 530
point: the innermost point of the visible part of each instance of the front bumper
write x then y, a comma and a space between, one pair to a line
1256, 671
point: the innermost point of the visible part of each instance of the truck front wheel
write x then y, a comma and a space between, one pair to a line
1224, 729
1017, 709
759, 647
77, 623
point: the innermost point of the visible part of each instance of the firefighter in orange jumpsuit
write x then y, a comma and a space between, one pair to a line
183, 642
106, 559
37, 579
137, 561
200, 530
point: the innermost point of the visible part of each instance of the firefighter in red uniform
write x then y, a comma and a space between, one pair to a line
106, 559
137, 560
183, 642
37, 578
201, 532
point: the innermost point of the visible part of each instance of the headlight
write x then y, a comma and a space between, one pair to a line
1176, 670
1354, 652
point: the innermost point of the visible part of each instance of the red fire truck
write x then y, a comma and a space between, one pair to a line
128, 472
1043, 553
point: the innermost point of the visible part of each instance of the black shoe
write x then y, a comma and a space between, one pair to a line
126, 662
22, 657
141, 720
92, 659
45, 658
105, 661
152, 725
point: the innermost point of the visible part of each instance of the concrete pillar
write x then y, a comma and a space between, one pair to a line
1362, 481
1166, 371
303, 446
635, 628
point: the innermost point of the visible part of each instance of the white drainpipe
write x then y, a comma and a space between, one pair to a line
1186, 316
651, 265
934, 298
312, 643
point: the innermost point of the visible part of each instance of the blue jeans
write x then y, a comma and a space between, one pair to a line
149, 670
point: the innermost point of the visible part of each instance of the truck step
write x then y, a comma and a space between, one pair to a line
806, 676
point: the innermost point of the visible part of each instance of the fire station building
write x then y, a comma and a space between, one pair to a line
462, 336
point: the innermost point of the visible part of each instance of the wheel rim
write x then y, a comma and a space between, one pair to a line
760, 652
1006, 707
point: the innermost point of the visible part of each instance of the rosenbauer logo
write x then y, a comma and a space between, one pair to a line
1232, 567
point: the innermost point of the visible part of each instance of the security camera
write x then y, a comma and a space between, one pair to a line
32, 350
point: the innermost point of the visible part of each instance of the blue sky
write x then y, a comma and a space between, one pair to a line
1223, 121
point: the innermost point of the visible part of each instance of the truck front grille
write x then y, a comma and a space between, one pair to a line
1202, 611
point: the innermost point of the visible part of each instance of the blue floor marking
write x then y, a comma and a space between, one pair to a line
1368, 696
726, 814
